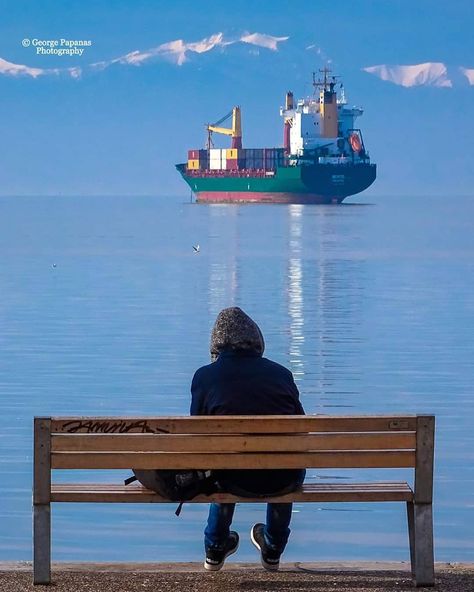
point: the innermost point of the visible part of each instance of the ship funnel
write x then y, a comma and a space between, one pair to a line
289, 100
287, 136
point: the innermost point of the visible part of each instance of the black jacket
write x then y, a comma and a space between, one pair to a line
244, 383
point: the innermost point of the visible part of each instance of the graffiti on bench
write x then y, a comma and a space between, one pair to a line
110, 427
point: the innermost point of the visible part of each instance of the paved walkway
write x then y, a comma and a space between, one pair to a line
235, 577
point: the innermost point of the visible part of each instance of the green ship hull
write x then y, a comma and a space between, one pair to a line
303, 184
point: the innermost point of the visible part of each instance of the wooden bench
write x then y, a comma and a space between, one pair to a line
238, 442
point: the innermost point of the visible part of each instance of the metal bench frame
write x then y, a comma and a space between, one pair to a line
248, 442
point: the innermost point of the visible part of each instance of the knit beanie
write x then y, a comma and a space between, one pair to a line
235, 330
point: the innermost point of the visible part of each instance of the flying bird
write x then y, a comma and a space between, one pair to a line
196, 248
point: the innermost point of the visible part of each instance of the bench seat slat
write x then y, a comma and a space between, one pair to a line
252, 460
233, 443
232, 424
321, 485
310, 492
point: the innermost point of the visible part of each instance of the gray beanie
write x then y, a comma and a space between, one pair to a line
235, 330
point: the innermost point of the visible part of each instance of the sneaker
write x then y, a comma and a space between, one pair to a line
270, 558
215, 557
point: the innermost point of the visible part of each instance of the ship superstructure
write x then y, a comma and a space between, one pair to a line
322, 126
323, 158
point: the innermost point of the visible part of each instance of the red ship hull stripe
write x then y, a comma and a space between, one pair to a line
264, 197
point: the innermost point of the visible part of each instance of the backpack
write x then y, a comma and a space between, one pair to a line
176, 485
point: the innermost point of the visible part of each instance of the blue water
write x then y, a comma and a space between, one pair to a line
106, 309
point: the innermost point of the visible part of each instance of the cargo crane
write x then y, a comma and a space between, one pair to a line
235, 132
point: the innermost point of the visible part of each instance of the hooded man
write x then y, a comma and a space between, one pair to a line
240, 381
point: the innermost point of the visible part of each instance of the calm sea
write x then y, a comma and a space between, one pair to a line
106, 309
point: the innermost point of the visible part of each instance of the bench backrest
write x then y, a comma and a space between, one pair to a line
238, 442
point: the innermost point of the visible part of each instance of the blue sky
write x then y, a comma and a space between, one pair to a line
118, 127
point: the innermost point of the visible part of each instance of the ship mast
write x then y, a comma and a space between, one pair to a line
325, 84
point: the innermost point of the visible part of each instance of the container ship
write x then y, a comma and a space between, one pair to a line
323, 159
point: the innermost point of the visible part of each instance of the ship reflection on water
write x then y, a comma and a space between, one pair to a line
323, 294
295, 292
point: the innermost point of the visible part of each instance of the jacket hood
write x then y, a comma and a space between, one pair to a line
235, 330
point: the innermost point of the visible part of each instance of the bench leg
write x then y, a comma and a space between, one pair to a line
420, 529
41, 544
411, 535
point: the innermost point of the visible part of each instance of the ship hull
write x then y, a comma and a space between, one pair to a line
305, 184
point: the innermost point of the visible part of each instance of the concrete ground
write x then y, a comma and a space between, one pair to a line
235, 577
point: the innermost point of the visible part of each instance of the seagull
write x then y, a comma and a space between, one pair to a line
54, 265
196, 248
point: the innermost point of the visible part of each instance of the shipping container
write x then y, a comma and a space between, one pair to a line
194, 164
233, 153
254, 163
270, 162
235, 164
215, 161
255, 152
237, 159
201, 155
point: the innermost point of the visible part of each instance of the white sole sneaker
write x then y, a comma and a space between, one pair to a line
219, 565
265, 564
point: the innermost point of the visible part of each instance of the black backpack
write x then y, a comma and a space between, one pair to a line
176, 485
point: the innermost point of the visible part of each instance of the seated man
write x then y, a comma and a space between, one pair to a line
241, 382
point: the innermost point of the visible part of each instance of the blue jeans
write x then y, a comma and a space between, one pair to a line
277, 525
276, 530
